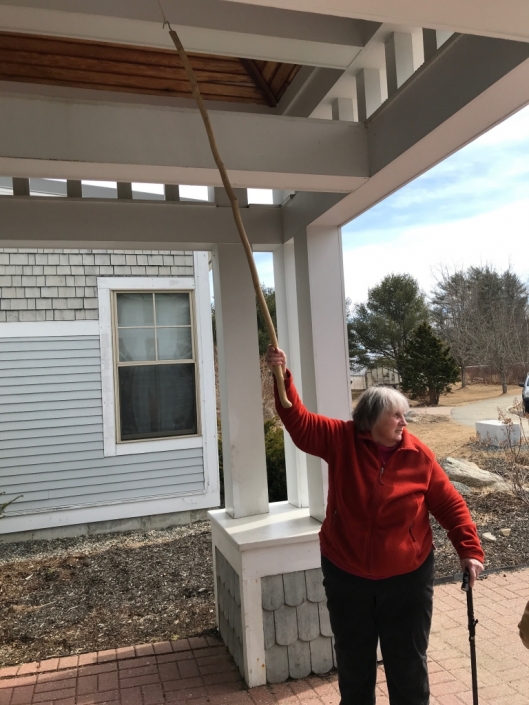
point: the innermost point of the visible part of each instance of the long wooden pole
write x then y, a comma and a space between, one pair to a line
278, 372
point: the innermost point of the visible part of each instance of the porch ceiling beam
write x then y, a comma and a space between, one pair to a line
474, 84
207, 26
97, 224
464, 68
42, 137
507, 19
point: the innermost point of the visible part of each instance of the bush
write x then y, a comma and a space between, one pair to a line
275, 463
6, 504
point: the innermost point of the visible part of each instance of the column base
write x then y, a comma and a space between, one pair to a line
271, 607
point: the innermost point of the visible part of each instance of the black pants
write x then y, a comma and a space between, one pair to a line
397, 610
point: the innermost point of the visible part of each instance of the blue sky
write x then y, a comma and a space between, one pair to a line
471, 209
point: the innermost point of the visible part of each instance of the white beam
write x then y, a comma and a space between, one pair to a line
368, 93
506, 19
478, 83
90, 223
205, 26
342, 109
41, 137
399, 60
243, 446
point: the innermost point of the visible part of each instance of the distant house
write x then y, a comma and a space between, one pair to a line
383, 375
376, 375
107, 400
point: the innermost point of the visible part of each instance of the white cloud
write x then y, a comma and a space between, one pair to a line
499, 238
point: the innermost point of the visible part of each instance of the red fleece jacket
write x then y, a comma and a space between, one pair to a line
377, 521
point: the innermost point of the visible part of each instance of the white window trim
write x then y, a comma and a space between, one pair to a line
207, 436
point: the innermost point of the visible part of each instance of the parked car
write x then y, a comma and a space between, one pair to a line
525, 394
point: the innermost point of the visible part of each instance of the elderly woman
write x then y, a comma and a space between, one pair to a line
376, 540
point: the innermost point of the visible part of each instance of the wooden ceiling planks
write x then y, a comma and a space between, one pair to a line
87, 64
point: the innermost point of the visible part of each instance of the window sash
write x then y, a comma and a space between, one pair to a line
157, 362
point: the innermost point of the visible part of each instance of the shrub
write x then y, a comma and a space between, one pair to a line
275, 463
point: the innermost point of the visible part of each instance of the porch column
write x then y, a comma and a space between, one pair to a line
324, 353
243, 449
288, 335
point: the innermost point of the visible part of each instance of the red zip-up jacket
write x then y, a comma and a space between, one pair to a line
377, 520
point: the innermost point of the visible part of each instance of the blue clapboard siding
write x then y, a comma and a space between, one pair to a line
51, 433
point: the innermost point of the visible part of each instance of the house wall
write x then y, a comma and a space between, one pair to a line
61, 285
51, 433
51, 404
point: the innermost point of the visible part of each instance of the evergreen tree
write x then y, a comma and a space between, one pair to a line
270, 298
380, 328
426, 365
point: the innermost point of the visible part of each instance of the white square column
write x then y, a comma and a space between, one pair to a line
243, 447
288, 336
323, 344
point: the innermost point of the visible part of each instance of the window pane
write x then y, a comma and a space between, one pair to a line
172, 310
135, 310
157, 400
174, 344
136, 344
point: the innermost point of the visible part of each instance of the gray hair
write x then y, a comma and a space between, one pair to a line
372, 404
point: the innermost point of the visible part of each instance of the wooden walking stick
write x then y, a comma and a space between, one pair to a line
278, 372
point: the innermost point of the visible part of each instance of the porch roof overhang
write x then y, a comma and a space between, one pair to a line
451, 95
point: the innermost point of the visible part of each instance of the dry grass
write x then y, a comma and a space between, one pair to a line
444, 436
476, 392
459, 396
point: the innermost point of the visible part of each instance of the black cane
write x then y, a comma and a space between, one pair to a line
471, 635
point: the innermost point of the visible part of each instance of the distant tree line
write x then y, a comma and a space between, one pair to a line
478, 316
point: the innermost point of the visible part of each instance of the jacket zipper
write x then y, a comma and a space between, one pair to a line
373, 504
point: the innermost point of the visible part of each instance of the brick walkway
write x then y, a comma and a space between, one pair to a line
200, 671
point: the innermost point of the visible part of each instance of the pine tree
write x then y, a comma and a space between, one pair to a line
380, 328
426, 366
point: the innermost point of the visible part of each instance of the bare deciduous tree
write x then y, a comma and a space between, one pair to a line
500, 302
453, 316
483, 316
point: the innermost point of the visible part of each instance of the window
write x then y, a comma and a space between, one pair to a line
154, 354
158, 392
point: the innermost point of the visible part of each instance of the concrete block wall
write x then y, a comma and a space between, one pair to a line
297, 630
61, 285
229, 608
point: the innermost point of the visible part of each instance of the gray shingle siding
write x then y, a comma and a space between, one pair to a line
61, 285
298, 634
51, 433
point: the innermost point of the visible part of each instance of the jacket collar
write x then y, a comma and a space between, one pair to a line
407, 443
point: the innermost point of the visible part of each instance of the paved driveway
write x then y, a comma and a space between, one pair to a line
485, 410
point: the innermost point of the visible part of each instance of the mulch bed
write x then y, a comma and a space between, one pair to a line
70, 596
491, 512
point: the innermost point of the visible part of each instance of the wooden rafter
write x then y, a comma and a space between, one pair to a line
259, 81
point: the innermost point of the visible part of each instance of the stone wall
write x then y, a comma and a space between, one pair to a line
61, 285
298, 635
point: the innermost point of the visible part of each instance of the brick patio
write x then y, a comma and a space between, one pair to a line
200, 671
